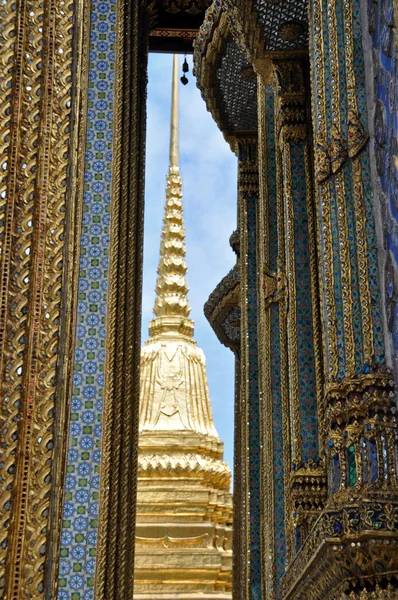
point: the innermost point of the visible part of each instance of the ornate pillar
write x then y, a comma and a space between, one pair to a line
36, 316
238, 531
359, 398
75, 79
289, 327
359, 423
307, 482
250, 419
272, 332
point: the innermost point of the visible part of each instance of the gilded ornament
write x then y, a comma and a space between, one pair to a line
34, 142
338, 150
248, 190
357, 137
192, 7
222, 309
264, 332
323, 167
290, 31
274, 286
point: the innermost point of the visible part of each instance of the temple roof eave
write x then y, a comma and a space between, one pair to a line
222, 310
225, 77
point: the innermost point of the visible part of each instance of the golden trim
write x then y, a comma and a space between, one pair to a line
10, 445
31, 308
264, 339
244, 395
247, 185
360, 217
246, 29
362, 257
316, 318
283, 336
295, 435
339, 188
325, 247
238, 485
345, 270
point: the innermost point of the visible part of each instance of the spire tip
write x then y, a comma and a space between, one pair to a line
174, 116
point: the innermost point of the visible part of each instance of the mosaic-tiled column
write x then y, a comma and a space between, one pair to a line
379, 38
74, 80
359, 423
250, 428
307, 482
272, 334
289, 329
359, 399
238, 523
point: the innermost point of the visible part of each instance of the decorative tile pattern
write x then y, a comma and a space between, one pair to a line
254, 406
372, 253
380, 27
333, 209
374, 279
337, 284
238, 93
272, 15
350, 193
275, 349
355, 293
80, 514
304, 316
278, 441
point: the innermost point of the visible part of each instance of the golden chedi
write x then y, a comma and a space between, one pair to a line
184, 507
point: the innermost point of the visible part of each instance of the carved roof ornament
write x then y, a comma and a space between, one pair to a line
222, 308
190, 6
175, 23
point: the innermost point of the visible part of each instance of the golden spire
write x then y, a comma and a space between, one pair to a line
184, 508
171, 307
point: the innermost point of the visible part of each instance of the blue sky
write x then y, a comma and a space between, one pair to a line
208, 169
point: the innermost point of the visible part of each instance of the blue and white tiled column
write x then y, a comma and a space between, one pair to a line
81, 499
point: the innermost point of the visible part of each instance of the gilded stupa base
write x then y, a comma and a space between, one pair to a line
184, 527
190, 566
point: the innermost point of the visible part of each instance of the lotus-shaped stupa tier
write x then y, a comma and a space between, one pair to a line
184, 507
171, 286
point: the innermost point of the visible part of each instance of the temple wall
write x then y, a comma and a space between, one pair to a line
71, 263
250, 497
382, 103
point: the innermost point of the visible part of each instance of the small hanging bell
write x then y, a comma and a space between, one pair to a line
185, 69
